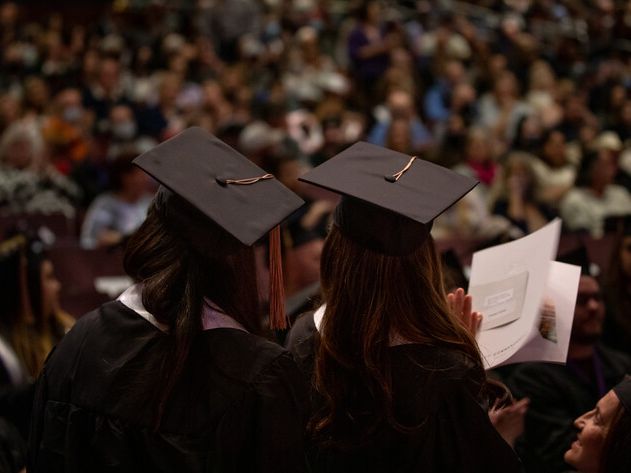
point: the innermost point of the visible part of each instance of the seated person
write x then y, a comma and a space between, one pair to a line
604, 434
515, 195
595, 197
560, 393
118, 213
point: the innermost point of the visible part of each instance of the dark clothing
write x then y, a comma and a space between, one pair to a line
238, 405
558, 395
435, 389
12, 448
365, 69
617, 327
301, 235
501, 208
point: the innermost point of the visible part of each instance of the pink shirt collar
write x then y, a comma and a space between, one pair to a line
213, 316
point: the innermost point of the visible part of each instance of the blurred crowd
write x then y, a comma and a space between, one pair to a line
530, 97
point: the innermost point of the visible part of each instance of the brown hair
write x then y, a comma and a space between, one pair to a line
615, 453
369, 297
175, 279
31, 332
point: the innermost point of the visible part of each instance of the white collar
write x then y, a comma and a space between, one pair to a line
11, 363
318, 315
212, 316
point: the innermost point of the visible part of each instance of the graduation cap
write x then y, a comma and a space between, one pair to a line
580, 257
218, 200
389, 199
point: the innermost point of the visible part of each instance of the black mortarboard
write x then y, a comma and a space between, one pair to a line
623, 391
211, 176
389, 199
580, 257
215, 197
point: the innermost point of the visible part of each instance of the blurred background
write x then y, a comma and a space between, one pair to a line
531, 97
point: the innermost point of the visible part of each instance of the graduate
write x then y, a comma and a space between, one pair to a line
398, 382
603, 439
173, 376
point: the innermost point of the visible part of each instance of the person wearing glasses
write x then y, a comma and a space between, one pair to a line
561, 393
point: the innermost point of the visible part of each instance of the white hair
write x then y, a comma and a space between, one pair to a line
22, 131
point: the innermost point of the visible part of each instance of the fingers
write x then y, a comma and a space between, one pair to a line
461, 306
460, 299
466, 304
476, 322
521, 406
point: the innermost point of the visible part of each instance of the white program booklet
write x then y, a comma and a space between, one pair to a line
527, 299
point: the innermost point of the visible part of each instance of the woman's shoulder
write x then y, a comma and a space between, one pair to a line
426, 361
244, 355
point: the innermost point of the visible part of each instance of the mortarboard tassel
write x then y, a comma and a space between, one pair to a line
277, 318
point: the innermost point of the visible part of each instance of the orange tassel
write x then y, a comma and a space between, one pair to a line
277, 318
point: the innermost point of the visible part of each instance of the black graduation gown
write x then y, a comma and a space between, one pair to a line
433, 387
239, 405
557, 397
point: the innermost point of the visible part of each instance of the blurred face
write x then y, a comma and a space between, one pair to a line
399, 136
554, 149
169, 89
400, 104
69, 102
373, 12
454, 72
9, 108
90, 62
519, 170
51, 288
506, 86
589, 313
478, 149
135, 183
531, 127
604, 169
19, 154
109, 74
625, 256
37, 92
593, 426
574, 109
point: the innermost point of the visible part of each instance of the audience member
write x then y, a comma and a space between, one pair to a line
28, 182
514, 196
560, 393
115, 215
604, 434
595, 196
555, 175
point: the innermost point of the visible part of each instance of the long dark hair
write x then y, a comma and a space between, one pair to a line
615, 453
369, 297
31, 332
175, 278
